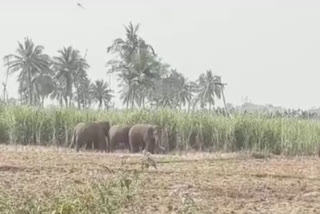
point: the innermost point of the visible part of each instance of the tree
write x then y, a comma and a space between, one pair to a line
182, 88
43, 87
28, 61
192, 89
173, 90
221, 86
101, 93
68, 65
208, 86
81, 80
132, 45
58, 92
134, 63
84, 94
166, 95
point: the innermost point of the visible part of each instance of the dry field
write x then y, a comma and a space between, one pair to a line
52, 180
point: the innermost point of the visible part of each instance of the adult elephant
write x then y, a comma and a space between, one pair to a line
119, 134
145, 137
92, 135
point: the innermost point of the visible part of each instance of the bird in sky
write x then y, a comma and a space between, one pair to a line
80, 5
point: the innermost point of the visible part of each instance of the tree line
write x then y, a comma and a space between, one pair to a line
144, 80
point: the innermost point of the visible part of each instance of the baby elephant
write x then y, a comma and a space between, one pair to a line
92, 135
144, 137
119, 134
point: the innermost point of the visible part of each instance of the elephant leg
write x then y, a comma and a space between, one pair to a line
86, 144
112, 143
95, 145
101, 144
150, 146
143, 145
79, 144
77, 147
134, 147
108, 144
104, 145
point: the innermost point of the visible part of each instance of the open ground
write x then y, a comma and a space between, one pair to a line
52, 180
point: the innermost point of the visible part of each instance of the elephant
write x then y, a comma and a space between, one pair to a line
119, 134
92, 135
145, 137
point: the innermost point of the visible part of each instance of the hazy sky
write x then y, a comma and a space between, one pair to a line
267, 50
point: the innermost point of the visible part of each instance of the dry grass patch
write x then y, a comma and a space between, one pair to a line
53, 180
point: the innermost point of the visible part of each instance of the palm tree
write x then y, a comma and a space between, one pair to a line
29, 60
221, 86
131, 46
184, 95
180, 88
84, 94
129, 86
192, 88
173, 90
67, 65
58, 92
81, 78
168, 92
134, 64
43, 87
101, 93
209, 86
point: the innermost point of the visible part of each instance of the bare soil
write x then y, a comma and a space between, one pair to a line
202, 183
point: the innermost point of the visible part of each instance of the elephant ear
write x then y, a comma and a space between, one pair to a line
106, 126
156, 130
150, 131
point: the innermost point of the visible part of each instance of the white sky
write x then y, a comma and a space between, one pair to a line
267, 50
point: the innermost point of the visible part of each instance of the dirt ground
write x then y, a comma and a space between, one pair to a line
204, 183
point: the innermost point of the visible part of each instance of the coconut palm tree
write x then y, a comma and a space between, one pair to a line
101, 93
68, 65
81, 79
209, 86
28, 61
58, 92
184, 94
128, 86
134, 64
84, 95
129, 47
192, 89
173, 90
221, 86
43, 86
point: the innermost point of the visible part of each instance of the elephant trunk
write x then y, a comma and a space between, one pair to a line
73, 140
162, 149
159, 148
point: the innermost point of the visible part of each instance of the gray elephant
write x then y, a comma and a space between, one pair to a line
145, 137
119, 134
93, 135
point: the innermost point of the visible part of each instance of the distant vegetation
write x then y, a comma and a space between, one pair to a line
200, 131
151, 91
145, 81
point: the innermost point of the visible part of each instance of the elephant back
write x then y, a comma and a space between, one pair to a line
119, 132
80, 128
138, 133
